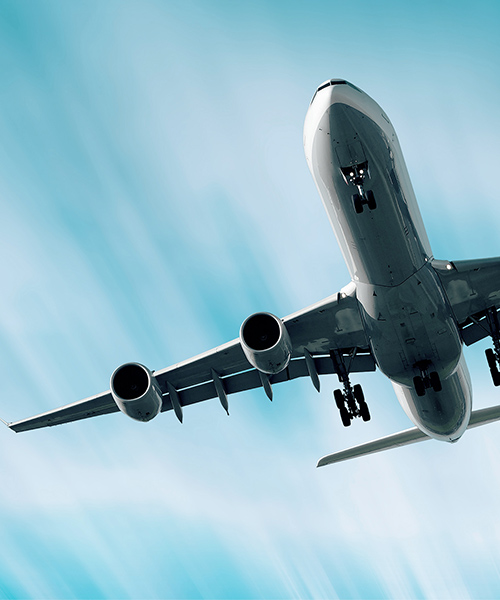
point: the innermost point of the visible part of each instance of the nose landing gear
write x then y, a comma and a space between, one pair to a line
368, 198
355, 175
350, 401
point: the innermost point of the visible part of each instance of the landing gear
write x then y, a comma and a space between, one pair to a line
356, 175
370, 200
493, 365
493, 355
435, 381
341, 405
419, 385
364, 413
426, 380
359, 200
357, 203
350, 401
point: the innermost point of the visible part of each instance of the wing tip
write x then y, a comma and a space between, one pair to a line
7, 424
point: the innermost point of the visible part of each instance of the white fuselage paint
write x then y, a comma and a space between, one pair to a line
405, 311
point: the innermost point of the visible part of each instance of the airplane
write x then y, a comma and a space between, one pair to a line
404, 312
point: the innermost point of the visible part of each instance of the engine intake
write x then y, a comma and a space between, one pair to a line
136, 391
266, 343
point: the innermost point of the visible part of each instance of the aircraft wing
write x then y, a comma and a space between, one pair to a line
473, 288
332, 324
483, 416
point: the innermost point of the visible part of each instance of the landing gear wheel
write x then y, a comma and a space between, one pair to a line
358, 204
493, 365
491, 358
370, 198
358, 393
435, 381
345, 416
360, 399
340, 402
364, 412
339, 399
419, 385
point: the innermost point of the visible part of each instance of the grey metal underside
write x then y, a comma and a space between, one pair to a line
333, 323
479, 417
472, 287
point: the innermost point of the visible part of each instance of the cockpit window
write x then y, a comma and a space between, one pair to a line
329, 83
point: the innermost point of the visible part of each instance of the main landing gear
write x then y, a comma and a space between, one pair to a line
426, 380
350, 401
493, 354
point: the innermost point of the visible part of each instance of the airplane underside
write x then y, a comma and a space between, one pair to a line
403, 312
358, 166
416, 344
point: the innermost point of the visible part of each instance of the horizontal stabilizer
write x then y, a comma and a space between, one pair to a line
479, 417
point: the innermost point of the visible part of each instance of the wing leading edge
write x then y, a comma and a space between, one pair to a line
331, 324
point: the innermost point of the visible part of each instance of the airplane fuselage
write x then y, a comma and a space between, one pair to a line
356, 161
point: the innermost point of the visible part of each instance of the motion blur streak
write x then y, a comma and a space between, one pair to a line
119, 122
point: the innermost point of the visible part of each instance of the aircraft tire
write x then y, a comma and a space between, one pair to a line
364, 411
345, 416
357, 203
339, 399
419, 385
435, 381
492, 361
495, 375
370, 197
358, 394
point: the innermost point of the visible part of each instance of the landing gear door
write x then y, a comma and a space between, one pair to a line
350, 154
353, 163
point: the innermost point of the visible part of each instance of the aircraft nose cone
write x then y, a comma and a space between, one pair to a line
330, 84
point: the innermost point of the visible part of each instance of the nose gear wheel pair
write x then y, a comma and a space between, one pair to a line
356, 174
359, 200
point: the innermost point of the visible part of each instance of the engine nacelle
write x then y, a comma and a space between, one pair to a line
266, 343
136, 391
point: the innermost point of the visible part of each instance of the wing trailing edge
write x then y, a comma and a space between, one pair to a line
479, 417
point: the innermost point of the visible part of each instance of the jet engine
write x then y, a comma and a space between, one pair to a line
136, 391
266, 343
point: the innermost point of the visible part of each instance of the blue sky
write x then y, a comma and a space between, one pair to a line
154, 193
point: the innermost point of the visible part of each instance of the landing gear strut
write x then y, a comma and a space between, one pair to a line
493, 355
426, 380
350, 401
